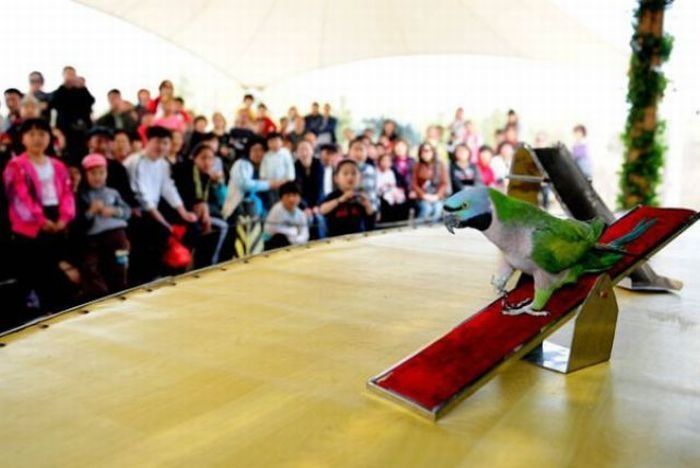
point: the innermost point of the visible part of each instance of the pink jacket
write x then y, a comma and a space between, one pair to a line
23, 190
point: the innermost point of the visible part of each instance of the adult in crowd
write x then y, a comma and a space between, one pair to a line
13, 102
122, 145
241, 135
298, 131
473, 140
29, 108
246, 187
433, 136
119, 116
247, 107
143, 98
389, 134
430, 183
579, 151
220, 131
73, 104
457, 127
314, 120
166, 92
327, 129
36, 89
330, 157
265, 124
292, 115
309, 178
151, 182
203, 193
170, 117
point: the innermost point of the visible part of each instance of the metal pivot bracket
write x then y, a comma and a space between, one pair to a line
593, 335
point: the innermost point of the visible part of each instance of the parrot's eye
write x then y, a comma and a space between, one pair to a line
465, 205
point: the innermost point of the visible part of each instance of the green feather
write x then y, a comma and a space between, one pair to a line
557, 244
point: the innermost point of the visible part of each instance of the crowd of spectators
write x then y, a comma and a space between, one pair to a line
90, 206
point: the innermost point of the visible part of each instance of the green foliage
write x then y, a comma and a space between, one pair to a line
644, 158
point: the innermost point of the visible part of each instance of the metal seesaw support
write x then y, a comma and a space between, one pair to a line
593, 336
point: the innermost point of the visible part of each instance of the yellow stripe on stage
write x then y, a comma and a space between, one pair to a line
264, 363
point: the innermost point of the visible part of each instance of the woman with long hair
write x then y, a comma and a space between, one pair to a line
430, 183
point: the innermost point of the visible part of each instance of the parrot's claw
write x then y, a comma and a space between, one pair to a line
524, 309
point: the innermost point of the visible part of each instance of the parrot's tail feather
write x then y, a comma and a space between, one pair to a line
641, 227
611, 248
604, 256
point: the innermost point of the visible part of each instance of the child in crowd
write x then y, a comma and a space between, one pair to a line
430, 183
500, 163
579, 151
40, 204
393, 206
103, 215
277, 164
484, 165
346, 209
286, 224
266, 126
403, 166
357, 151
463, 172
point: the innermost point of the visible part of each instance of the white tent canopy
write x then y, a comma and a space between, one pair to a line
262, 42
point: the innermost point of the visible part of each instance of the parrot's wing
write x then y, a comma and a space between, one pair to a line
561, 243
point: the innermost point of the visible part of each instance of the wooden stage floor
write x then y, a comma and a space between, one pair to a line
265, 364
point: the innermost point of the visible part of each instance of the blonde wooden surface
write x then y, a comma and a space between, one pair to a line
265, 364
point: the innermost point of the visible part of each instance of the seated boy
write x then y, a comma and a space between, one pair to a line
347, 210
357, 151
286, 224
104, 216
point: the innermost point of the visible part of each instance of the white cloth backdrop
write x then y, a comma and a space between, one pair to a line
261, 42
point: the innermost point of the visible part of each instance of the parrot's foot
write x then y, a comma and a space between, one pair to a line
524, 307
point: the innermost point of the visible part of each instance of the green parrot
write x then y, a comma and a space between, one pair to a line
553, 251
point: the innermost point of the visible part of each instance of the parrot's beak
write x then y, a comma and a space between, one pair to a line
451, 222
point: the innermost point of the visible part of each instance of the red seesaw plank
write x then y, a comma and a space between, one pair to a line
458, 363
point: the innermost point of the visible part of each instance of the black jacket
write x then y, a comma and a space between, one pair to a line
310, 183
